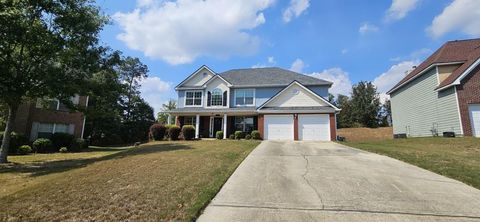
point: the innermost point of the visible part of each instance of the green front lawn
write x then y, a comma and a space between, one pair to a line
457, 158
157, 181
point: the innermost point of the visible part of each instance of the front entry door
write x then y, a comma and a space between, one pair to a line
216, 124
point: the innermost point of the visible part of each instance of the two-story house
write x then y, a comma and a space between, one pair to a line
280, 104
41, 118
442, 94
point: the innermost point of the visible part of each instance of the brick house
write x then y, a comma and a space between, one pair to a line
40, 118
442, 94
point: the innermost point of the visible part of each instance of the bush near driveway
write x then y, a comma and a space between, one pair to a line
256, 135
239, 135
158, 181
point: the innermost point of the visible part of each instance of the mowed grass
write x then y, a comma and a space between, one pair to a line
159, 181
457, 158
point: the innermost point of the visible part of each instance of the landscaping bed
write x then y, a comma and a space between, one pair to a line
168, 180
457, 158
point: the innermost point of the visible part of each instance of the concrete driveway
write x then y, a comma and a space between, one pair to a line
313, 181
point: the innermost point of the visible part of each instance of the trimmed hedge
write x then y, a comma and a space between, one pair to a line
63, 150
248, 136
188, 132
43, 145
232, 136
239, 135
24, 150
256, 135
219, 135
174, 132
158, 131
167, 130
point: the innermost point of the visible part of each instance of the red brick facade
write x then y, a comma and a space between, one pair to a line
261, 125
27, 113
333, 127
295, 126
468, 93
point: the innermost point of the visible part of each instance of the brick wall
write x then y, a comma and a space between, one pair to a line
261, 124
468, 93
27, 113
333, 127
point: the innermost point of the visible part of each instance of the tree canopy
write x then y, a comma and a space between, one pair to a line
45, 44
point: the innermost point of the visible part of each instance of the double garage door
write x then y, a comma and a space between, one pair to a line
310, 127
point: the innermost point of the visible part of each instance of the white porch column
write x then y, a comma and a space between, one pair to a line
225, 126
169, 119
197, 127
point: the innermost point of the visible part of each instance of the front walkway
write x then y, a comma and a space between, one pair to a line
309, 181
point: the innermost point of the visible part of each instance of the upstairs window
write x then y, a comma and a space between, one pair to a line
244, 97
217, 97
193, 98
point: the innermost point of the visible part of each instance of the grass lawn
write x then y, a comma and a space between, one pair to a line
457, 158
157, 181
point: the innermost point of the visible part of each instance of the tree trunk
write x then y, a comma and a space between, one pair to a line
12, 113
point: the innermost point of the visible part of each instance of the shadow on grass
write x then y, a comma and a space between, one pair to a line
49, 167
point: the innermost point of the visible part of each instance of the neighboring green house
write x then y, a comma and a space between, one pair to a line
441, 95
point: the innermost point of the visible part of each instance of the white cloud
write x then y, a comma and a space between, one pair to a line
297, 66
180, 31
270, 62
399, 9
156, 92
460, 15
391, 77
295, 9
366, 27
340, 78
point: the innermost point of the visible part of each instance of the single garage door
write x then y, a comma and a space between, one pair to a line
314, 127
279, 127
475, 119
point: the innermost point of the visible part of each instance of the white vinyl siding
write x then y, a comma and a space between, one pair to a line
417, 109
295, 96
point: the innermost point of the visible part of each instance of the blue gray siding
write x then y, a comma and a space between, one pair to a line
181, 99
417, 108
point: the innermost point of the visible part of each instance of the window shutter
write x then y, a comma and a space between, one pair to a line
225, 98
209, 98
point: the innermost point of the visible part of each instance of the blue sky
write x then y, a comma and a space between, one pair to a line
344, 41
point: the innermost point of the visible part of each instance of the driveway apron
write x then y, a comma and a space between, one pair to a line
326, 181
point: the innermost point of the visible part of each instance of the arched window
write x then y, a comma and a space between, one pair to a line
217, 97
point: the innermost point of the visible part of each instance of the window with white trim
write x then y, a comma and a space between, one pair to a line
244, 123
190, 120
193, 98
46, 130
217, 97
244, 97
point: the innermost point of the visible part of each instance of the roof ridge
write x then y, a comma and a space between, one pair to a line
463, 40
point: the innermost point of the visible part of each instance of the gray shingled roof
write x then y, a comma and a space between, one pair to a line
268, 77
212, 110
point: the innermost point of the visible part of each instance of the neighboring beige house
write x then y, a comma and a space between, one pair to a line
442, 94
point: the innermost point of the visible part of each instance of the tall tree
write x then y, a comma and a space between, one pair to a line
366, 104
132, 72
162, 116
45, 44
344, 118
385, 114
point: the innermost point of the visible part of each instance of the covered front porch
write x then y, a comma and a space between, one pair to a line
208, 123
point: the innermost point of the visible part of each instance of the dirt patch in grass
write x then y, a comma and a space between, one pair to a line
457, 158
157, 181
366, 134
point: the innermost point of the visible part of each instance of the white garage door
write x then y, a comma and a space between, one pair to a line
279, 127
475, 119
314, 127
